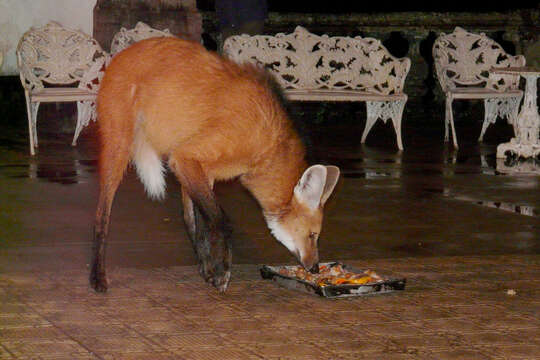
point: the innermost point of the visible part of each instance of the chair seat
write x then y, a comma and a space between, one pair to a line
482, 93
338, 95
62, 95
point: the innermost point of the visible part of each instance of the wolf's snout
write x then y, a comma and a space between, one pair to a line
311, 263
314, 269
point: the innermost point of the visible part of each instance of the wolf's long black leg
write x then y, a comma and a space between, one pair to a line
206, 222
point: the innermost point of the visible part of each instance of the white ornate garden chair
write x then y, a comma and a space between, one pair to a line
462, 63
124, 38
57, 64
322, 68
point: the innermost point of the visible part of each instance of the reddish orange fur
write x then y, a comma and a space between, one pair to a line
197, 105
212, 120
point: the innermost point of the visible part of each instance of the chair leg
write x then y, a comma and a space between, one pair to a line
372, 116
35, 109
447, 115
513, 112
491, 108
370, 121
84, 114
397, 127
450, 119
398, 107
31, 111
30, 127
385, 110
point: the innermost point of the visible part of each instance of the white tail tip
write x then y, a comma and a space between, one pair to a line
149, 168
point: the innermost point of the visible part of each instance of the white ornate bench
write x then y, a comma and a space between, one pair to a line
322, 68
463, 61
124, 38
59, 65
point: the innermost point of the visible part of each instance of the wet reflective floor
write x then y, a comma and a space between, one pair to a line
427, 205
428, 200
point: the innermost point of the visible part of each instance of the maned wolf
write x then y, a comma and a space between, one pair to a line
166, 99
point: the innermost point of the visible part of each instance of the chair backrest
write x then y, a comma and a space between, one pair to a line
302, 60
53, 54
124, 38
464, 59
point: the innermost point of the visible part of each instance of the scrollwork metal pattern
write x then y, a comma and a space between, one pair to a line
465, 59
124, 38
302, 60
56, 55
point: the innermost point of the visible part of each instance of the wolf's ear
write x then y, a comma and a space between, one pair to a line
310, 187
316, 185
332, 177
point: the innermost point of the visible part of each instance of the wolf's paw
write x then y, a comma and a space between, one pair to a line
215, 274
221, 282
98, 281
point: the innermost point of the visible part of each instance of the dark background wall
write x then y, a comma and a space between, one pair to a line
181, 17
408, 33
345, 6
406, 28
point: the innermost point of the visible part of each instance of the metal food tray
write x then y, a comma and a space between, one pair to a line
332, 291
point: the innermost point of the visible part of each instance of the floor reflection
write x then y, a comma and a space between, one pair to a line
513, 165
387, 203
501, 205
65, 173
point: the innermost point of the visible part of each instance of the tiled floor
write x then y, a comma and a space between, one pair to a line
465, 235
466, 307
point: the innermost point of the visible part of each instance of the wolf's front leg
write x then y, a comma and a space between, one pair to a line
213, 245
206, 223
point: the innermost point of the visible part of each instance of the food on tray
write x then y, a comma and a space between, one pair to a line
331, 274
334, 280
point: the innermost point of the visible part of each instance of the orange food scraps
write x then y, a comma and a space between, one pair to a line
331, 275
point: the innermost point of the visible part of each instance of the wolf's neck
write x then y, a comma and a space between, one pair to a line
273, 180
